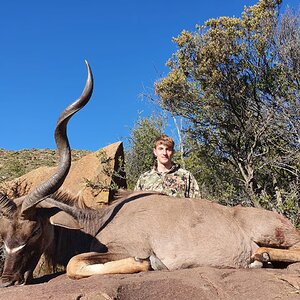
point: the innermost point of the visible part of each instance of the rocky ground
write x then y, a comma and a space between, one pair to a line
199, 283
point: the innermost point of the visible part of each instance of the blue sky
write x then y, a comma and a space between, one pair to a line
127, 43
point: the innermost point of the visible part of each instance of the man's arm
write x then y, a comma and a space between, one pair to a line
194, 191
138, 185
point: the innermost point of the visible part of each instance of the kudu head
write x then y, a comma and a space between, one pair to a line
26, 223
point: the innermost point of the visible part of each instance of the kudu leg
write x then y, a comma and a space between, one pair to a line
87, 264
264, 254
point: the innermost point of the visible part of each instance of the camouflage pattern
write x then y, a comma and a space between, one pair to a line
177, 183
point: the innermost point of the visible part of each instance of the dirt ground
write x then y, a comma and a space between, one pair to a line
198, 283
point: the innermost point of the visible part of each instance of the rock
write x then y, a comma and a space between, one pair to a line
189, 284
91, 178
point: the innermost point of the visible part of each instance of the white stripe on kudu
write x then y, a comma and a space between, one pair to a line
13, 250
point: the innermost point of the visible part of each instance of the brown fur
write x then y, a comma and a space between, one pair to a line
170, 232
181, 233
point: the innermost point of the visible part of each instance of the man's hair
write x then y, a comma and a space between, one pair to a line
164, 140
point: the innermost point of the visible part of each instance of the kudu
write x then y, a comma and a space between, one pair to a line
140, 232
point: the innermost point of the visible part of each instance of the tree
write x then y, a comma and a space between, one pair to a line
237, 82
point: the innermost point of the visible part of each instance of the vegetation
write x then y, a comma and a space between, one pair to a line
236, 81
114, 171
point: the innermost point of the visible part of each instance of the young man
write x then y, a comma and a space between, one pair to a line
167, 177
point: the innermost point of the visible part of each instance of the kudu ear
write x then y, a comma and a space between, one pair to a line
65, 220
52, 210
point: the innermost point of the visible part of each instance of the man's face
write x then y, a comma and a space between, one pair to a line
163, 153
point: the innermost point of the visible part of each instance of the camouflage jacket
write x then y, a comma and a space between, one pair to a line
177, 182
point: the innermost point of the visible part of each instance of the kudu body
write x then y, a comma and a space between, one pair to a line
140, 232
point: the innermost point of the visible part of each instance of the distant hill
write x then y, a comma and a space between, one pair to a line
17, 163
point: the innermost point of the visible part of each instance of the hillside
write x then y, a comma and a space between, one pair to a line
17, 163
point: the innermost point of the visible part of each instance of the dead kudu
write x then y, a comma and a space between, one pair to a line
140, 232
